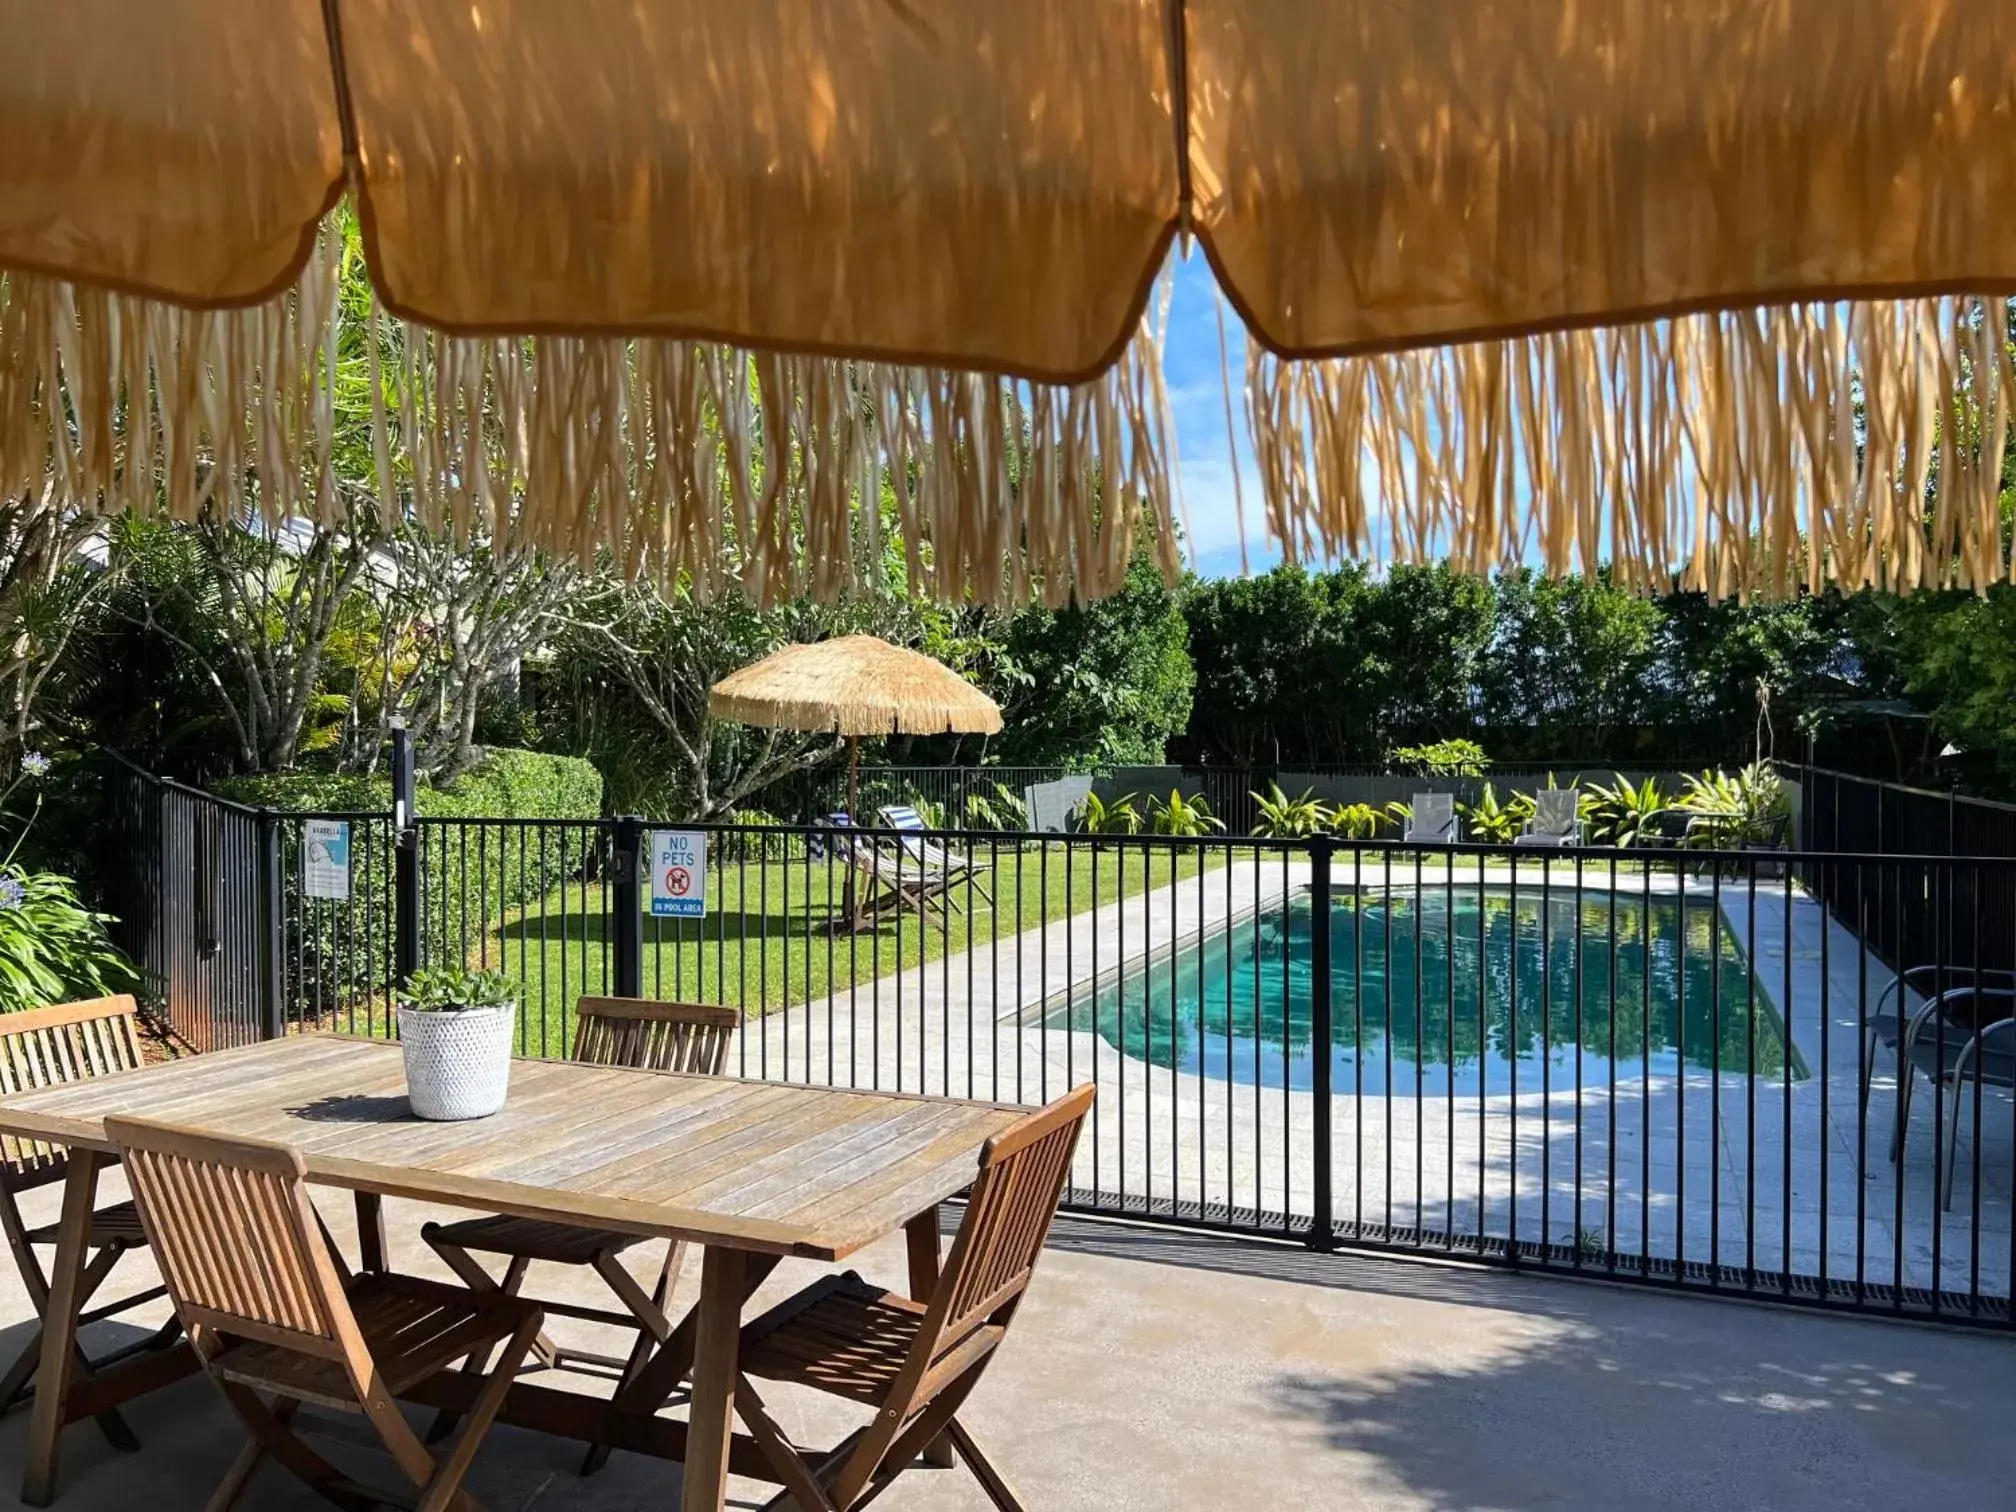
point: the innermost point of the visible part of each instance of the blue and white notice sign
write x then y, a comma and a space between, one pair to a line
678, 873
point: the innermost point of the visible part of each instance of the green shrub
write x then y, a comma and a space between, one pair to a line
506, 784
52, 948
472, 875
1444, 758
1283, 818
1002, 809
1122, 816
1747, 807
1361, 821
768, 840
1622, 813
1496, 823
1180, 816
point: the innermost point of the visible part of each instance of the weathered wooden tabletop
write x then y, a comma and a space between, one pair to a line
761, 1167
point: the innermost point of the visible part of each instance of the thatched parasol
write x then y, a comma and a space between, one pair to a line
854, 686
1712, 292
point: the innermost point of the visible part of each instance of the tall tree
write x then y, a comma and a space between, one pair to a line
1098, 684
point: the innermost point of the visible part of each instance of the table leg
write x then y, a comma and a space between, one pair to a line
370, 1232
59, 1328
921, 1236
652, 1387
711, 1418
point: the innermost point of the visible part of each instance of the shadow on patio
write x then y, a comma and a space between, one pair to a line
1156, 1369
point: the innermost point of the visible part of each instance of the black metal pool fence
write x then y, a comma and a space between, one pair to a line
1674, 1067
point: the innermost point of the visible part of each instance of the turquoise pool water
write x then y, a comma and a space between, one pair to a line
1481, 991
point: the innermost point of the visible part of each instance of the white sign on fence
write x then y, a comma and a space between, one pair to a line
678, 873
325, 858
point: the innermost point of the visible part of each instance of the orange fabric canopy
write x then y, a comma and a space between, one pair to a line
1703, 288
973, 184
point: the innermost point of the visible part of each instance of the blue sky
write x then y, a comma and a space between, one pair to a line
1197, 395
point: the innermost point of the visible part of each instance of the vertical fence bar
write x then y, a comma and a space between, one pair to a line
1322, 1226
272, 950
405, 862
626, 905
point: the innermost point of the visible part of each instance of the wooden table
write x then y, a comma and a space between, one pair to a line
753, 1171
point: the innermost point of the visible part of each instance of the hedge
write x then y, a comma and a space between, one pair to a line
506, 784
471, 875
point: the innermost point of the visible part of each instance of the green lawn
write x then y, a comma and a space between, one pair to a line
768, 939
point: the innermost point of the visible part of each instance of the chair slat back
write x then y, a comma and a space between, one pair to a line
1433, 817
652, 1036
1008, 1216
236, 1240
1555, 810
46, 1047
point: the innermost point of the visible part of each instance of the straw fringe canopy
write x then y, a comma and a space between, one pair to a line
1715, 290
855, 686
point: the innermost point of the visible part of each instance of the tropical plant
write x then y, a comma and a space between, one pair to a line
1621, 813
52, 948
1285, 818
1361, 821
1121, 816
1179, 815
931, 810
1746, 807
458, 989
767, 837
1493, 822
1002, 809
1444, 758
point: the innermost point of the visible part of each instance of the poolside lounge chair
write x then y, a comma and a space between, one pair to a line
1432, 819
1952, 1054
912, 833
1946, 986
1556, 820
886, 880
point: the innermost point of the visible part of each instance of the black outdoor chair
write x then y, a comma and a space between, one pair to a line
1951, 986
1953, 1056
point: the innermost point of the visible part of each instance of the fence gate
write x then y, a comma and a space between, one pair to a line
194, 881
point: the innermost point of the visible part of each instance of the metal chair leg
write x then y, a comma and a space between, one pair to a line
1900, 1122
1953, 1133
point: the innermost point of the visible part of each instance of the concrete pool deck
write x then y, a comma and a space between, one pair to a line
1679, 1168
1156, 1370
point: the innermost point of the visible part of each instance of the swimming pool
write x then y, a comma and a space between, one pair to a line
1479, 990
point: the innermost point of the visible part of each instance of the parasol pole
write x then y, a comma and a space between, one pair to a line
853, 777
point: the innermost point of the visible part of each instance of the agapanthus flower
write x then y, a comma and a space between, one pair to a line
12, 893
34, 764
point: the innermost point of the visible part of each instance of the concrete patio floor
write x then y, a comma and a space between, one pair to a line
1156, 1369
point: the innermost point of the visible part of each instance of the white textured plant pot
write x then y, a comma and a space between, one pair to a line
458, 1065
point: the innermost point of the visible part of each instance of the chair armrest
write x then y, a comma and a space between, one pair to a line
1936, 1008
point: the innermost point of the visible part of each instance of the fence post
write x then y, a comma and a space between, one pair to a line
405, 862
1322, 1235
272, 921
626, 899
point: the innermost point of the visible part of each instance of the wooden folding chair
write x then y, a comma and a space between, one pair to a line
914, 1362
258, 1289
46, 1047
636, 1033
